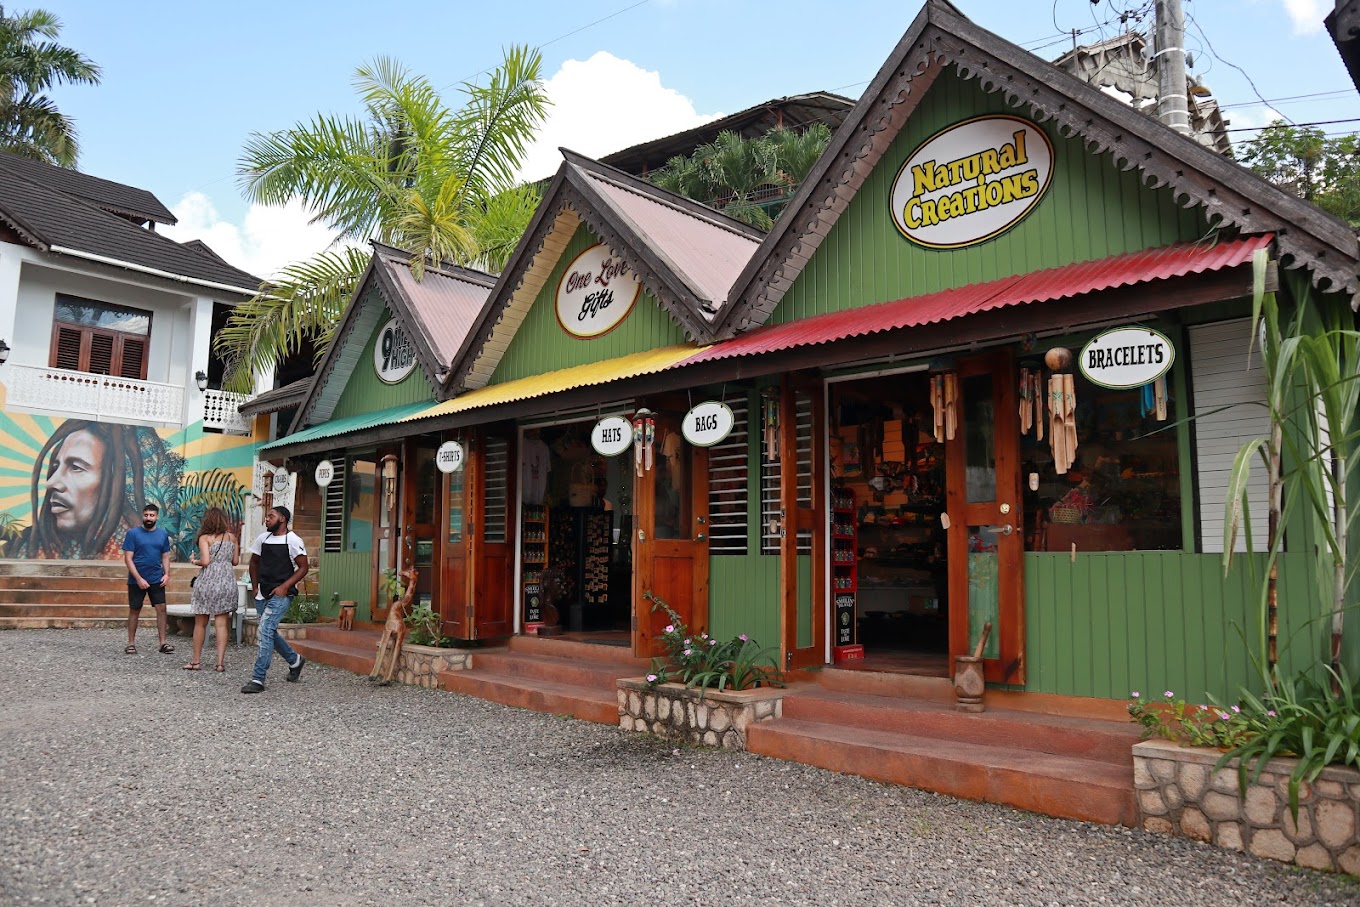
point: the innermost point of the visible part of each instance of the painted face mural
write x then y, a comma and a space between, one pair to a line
85, 483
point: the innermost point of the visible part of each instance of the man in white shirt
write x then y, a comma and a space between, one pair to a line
278, 562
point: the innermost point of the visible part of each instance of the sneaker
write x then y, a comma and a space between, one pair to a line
253, 686
295, 670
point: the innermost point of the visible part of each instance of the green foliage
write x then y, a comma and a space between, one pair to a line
303, 609
422, 628
411, 172
1303, 161
391, 583
197, 492
1176, 720
750, 180
703, 662
31, 63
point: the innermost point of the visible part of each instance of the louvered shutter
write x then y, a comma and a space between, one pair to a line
66, 349
132, 363
100, 361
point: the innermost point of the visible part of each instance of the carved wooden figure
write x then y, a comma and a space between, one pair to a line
394, 632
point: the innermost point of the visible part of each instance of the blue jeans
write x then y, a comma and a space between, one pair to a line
270, 640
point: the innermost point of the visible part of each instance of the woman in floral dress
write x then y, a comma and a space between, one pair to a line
215, 588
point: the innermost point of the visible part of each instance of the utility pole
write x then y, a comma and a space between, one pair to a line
1170, 57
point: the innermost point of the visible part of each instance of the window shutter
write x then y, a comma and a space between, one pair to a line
66, 349
333, 527
133, 360
101, 355
728, 487
497, 495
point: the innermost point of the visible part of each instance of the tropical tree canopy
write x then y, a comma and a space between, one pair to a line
31, 63
410, 172
1304, 161
748, 179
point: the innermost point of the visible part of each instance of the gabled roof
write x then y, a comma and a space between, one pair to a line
793, 112
53, 221
939, 38
116, 198
686, 254
437, 311
1343, 24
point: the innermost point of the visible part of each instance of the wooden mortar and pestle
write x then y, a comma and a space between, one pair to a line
969, 684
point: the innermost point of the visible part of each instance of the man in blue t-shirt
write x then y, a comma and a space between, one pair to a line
146, 552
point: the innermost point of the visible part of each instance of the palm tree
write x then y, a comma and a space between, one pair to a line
31, 62
410, 173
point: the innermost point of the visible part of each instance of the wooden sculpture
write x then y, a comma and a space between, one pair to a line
394, 632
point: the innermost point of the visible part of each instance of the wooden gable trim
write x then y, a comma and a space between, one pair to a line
342, 336
1230, 195
399, 305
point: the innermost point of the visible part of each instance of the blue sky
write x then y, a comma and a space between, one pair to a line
185, 84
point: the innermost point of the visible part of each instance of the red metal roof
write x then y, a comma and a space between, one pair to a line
1040, 286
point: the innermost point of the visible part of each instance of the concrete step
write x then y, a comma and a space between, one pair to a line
58, 622
536, 694
103, 569
875, 683
1055, 785
77, 583
1103, 741
578, 651
81, 608
347, 658
596, 675
19, 599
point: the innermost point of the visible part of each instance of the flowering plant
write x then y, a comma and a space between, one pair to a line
1172, 718
699, 660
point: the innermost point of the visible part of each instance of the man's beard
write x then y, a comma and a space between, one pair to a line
149, 524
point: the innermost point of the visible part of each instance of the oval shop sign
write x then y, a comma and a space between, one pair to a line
449, 456
394, 355
611, 436
1128, 357
707, 424
325, 473
971, 182
596, 293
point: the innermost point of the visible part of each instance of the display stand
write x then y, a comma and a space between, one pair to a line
844, 573
533, 561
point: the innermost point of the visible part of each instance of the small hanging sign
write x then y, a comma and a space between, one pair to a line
611, 436
449, 457
1125, 358
708, 423
280, 480
596, 292
325, 473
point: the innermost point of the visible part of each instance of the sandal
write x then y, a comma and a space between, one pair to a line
166, 648
219, 668
130, 650
194, 666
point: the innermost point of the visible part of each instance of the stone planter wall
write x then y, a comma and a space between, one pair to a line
1179, 793
673, 711
420, 665
250, 632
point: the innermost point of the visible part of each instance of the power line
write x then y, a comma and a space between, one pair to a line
1292, 125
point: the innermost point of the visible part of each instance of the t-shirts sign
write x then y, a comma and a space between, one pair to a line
394, 355
597, 291
1128, 357
449, 457
971, 182
611, 436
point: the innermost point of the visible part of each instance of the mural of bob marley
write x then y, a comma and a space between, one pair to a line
90, 482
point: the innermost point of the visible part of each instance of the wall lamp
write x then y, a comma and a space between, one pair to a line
201, 377
4, 352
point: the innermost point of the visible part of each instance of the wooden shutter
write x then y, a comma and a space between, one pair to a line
132, 362
66, 348
333, 525
100, 360
728, 486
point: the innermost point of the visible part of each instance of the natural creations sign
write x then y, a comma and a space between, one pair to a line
971, 182
596, 293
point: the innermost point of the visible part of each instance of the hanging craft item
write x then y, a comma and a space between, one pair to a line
1159, 396
769, 416
1037, 394
937, 407
944, 400
1026, 403
648, 441
1062, 407
644, 431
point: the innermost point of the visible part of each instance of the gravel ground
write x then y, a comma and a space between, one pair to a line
129, 781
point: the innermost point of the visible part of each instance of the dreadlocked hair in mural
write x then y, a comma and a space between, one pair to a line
125, 455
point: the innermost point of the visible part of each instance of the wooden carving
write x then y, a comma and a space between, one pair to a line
394, 632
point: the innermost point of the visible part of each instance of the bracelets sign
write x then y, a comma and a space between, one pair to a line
1128, 357
597, 291
971, 182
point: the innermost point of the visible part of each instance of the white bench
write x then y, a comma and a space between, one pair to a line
243, 611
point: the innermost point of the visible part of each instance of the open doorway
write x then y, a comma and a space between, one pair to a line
889, 551
575, 536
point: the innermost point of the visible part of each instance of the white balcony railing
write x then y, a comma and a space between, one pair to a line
221, 411
100, 397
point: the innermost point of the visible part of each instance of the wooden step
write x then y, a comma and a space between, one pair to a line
78, 608
536, 694
578, 651
347, 658
595, 675
1055, 785
1105, 741
18, 599
59, 622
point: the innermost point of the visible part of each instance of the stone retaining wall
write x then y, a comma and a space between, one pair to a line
250, 632
673, 711
420, 665
1179, 793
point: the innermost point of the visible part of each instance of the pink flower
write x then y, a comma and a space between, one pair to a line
743, 637
1168, 694
670, 628
651, 678
1135, 694
1236, 710
689, 652
712, 642
1223, 716
1271, 713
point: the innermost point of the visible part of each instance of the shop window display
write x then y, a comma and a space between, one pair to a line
1122, 492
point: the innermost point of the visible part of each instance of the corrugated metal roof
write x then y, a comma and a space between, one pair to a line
633, 365
1040, 286
336, 427
446, 304
707, 252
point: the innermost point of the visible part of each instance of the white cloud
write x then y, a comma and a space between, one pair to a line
1307, 15
268, 239
603, 105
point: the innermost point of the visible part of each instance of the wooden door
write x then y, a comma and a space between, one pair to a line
388, 557
670, 536
460, 492
492, 589
986, 533
421, 486
802, 542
